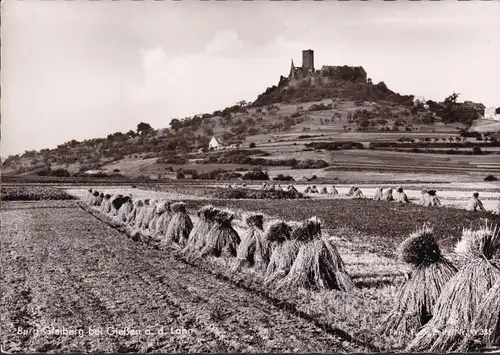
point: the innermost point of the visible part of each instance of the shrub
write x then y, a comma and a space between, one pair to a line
470, 134
211, 175
252, 145
490, 178
44, 172
320, 107
311, 164
57, 172
477, 150
180, 174
240, 193
60, 173
335, 145
281, 177
256, 174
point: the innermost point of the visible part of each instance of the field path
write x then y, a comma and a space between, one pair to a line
63, 270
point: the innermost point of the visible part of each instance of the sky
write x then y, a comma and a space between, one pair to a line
85, 69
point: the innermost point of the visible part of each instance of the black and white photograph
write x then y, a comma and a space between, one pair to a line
250, 176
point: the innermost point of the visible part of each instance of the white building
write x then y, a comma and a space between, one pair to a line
216, 143
489, 114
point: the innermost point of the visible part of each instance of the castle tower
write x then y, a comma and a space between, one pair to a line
308, 61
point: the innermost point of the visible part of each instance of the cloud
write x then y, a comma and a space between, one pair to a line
224, 41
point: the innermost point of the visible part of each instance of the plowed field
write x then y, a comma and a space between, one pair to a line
70, 283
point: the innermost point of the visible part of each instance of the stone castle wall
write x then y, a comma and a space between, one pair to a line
327, 74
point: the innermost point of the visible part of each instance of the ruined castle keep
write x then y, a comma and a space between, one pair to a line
326, 74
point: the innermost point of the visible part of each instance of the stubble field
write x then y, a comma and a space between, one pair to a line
66, 268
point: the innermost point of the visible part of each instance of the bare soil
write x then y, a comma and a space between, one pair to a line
64, 270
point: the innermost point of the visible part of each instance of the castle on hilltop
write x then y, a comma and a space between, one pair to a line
325, 75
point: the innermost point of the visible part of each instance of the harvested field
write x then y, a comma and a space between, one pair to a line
107, 264
356, 316
383, 225
84, 274
353, 317
33, 193
451, 195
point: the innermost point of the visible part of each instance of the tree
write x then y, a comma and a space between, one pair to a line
381, 85
175, 124
450, 103
144, 128
131, 133
208, 131
451, 100
180, 174
363, 124
252, 145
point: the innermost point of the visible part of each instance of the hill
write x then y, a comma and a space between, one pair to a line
284, 119
349, 90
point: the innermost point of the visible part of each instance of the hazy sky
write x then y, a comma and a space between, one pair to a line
84, 69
